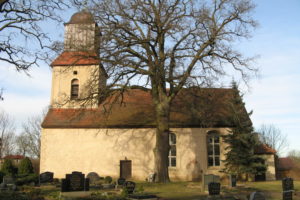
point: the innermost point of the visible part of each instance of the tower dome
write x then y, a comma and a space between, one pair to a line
82, 17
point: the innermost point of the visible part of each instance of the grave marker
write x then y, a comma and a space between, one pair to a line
257, 196
130, 186
214, 188
46, 177
75, 182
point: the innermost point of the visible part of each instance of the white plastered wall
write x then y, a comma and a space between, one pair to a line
100, 150
91, 80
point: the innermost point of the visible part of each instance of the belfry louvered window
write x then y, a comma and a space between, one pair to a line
74, 89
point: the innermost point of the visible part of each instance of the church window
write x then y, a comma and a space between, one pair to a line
75, 72
74, 89
213, 148
172, 152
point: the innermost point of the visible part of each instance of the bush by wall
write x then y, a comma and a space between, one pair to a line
25, 166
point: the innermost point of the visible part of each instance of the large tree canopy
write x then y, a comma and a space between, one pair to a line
166, 45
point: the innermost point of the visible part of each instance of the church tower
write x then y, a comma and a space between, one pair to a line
78, 75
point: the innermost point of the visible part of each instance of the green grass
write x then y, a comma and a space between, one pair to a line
183, 190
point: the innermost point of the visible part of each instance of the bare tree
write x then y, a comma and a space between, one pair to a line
22, 41
28, 141
22, 145
166, 45
7, 134
272, 136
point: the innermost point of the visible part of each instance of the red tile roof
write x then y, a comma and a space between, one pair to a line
264, 149
285, 163
76, 58
192, 107
15, 157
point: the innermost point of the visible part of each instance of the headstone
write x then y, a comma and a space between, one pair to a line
287, 184
287, 195
121, 181
233, 180
151, 178
8, 180
46, 177
94, 177
257, 196
288, 188
75, 182
209, 178
214, 188
130, 186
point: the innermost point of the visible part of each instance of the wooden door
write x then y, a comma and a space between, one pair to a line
125, 169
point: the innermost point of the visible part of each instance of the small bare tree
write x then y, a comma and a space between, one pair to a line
272, 136
166, 45
7, 134
28, 142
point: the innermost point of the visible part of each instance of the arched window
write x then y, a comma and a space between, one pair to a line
172, 152
213, 148
74, 89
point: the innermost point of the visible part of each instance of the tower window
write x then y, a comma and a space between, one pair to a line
75, 72
74, 89
172, 152
213, 148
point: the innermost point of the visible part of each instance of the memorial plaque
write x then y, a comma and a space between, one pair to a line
214, 188
287, 195
46, 177
287, 184
130, 186
75, 182
257, 196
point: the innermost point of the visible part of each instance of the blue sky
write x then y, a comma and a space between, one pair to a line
274, 97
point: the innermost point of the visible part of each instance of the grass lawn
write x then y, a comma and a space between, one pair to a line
185, 191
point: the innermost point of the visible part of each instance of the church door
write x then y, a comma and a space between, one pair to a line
125, 169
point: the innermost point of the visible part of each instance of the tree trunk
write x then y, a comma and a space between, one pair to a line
162, 146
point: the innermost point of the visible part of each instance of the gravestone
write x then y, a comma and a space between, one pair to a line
75, 182
46, 177
287, 184
257, 196
288, 188
214, 188
130, 186
121, 181
8, 180
209, 178
233, 180
94, 177
287, 195
151, 178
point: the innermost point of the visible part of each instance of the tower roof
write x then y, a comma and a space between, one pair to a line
82, 17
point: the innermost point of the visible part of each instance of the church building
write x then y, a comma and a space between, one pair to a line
116, 137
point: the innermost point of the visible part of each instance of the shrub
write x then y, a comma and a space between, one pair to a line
25, 166
108, 179
7, 167
27, 179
